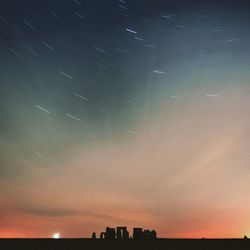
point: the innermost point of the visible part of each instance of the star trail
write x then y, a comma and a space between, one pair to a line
124, 113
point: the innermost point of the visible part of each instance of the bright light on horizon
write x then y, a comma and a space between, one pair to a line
56, 236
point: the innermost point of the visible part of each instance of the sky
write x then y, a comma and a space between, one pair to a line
124, 113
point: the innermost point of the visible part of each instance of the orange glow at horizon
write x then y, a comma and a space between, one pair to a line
179, 175
11, 234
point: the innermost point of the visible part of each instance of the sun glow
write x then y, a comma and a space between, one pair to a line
56, 236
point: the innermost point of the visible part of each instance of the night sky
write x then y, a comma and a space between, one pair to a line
124, 112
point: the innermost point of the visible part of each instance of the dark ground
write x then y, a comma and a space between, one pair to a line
88, 244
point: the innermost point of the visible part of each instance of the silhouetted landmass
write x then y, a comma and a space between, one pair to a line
98, 244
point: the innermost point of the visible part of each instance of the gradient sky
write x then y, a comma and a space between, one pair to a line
132, 113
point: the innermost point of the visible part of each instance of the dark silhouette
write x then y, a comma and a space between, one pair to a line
102, 235
139, 234
118, 238
121, 233
93, 236
110, 233
158, 244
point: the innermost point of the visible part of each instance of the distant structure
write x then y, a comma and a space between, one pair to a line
245, 237
93, 236
121, 233
139, 233
110, 233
